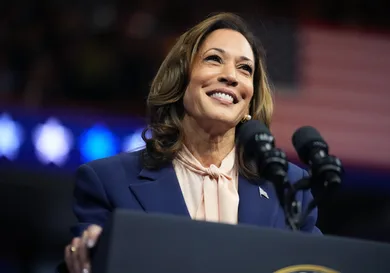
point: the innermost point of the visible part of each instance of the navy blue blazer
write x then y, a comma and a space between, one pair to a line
121, 181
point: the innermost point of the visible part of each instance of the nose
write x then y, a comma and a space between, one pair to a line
228, 76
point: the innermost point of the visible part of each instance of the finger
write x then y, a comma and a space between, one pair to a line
88, 240
94, 232
84, 251
68, 259
87, 268
74, 255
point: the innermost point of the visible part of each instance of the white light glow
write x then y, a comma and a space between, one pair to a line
134, 142
52, 142
11, 136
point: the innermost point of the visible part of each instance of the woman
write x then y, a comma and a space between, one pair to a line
212, 80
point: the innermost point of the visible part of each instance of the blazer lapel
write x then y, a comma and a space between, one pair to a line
254, 208
158, 191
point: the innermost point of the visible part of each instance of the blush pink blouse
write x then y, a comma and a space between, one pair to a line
210, 193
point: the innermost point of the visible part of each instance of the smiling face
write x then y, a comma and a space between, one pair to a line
221, 81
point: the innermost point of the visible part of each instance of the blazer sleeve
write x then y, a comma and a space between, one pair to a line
310, 223
90, 203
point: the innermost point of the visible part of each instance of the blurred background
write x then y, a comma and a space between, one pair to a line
74, 76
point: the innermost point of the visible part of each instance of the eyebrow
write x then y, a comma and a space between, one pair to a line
243, 58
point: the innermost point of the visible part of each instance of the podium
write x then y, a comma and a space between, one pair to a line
135, 242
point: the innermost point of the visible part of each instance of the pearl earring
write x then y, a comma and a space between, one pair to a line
246, 118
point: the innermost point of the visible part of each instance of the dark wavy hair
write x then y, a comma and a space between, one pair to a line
165, 100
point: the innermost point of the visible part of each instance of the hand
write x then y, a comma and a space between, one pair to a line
76, 253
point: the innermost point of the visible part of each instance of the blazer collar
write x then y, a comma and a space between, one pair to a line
158, 191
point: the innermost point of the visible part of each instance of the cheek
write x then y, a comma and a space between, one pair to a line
192, 93
249, 95
249, 90
187, 99
190, 98
247, 85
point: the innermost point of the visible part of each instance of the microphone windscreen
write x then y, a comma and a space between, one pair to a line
306, 140
246, 132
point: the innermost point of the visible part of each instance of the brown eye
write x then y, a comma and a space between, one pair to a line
247, 68
214, 58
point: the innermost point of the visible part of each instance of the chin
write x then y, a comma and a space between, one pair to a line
222, 124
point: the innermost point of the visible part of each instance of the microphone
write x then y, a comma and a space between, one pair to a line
259, 144
325, 170
314, 151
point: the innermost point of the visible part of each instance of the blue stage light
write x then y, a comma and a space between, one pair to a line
11, 137
98, 142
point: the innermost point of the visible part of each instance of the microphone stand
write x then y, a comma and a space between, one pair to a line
293, 207
325, 177
322, 192
273, 166
282, 189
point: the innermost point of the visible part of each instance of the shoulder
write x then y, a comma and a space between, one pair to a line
108, 175
129, 161
295, 172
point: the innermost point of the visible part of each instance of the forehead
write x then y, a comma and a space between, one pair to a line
231, 41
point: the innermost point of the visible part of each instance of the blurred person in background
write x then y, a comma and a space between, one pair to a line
211, 81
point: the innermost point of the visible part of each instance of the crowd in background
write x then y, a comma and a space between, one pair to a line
76, 52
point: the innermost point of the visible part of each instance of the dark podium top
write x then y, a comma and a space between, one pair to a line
147, 243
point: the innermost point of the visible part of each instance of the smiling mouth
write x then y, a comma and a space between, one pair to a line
223, 96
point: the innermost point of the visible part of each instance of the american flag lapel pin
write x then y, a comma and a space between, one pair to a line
263, 193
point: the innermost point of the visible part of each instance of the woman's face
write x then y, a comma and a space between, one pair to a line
221, 81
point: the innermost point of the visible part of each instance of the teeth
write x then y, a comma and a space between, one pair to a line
223, 96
